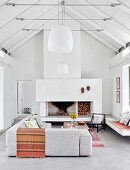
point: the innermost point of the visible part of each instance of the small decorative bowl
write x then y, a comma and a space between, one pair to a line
81, 122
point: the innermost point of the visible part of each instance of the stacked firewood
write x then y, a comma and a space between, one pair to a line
84, 108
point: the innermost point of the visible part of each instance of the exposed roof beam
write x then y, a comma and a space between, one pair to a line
102, 41
94, 34
22, 42
14, 42
27, 24
105, 13
118, 41
3, 2
20, 13
127, 6
119, 23
116, 21
124, 7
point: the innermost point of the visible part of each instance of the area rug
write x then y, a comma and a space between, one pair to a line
96, 142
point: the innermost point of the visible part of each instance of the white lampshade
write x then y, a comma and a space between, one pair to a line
62, 68
60, 39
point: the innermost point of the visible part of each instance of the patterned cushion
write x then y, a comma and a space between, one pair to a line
31, 123
125, 118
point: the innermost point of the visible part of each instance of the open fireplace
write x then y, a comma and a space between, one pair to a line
64, 108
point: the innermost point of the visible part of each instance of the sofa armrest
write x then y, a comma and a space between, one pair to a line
85, 143
11, 142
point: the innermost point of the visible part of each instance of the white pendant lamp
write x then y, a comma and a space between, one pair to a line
62, 68
60, 38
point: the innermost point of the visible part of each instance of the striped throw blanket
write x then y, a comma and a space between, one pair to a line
31, 142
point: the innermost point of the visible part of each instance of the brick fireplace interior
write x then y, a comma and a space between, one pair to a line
64, 108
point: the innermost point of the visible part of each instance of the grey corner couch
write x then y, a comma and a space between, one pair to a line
58, 142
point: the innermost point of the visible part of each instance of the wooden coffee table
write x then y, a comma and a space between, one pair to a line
77, 126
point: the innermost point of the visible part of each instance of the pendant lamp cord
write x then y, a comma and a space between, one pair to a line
62, 4
58, 12
63, 11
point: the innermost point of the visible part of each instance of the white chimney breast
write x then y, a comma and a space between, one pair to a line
70, 90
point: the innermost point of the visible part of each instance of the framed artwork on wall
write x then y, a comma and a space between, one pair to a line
118, 96
118, 83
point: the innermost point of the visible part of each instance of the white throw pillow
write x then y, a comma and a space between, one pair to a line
125, 118
97, 118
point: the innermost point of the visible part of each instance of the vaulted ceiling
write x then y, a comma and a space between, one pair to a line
115, 34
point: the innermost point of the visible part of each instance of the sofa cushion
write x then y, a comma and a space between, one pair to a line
62, 142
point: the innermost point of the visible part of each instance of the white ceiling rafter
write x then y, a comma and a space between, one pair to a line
96, 35
13, 28
115, 29
109, 12
115, 40
124, 7
3, 2
126, 3
105, 42
10, 13
116, 32
26, 35
22, 42
24, 24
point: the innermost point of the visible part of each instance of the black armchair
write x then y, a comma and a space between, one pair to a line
98, 121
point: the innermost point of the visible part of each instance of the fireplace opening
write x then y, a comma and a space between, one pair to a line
61, 108
64, 108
